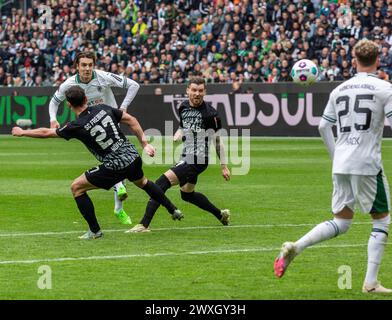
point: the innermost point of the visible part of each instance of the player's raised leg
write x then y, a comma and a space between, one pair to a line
322, 232
164, 182
198, 199
156, 193
286, 255
121, 191
120, 194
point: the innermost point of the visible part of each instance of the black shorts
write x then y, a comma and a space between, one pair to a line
188, 172
105, 178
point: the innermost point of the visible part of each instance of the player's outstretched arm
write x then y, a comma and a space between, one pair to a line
133, 88
135, 127
115, 80
53, 107
220, 151
35, 133
57, 99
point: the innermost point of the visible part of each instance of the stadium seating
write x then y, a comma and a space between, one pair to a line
169, 41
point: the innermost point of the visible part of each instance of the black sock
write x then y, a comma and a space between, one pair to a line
152, 205
151, 208
158, 195
86, 208
200, 200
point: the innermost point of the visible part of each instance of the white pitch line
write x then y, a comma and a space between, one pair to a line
55, 233
39, 153
165, 254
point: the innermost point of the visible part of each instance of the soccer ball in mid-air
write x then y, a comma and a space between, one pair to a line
304, 72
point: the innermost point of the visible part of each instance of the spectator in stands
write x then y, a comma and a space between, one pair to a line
319, 41
128, 35
236, 87
386, 59
383, 75
284, 76
273, 76
346, 74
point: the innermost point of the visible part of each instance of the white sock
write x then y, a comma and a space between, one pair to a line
323, 231
118, 184
377, 241
117, 203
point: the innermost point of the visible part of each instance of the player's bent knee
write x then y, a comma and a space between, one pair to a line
377, 216
382, 224
76, 188
171, 177
343, 224
141, 182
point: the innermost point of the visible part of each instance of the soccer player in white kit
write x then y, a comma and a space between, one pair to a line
97, 86
358, 108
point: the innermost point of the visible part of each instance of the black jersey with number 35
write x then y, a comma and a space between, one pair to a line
97, 127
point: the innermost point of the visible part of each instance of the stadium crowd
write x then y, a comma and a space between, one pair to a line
162, 41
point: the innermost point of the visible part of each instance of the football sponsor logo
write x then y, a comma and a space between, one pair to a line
265, 109
175, 101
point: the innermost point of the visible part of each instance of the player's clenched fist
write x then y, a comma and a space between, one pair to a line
150, 150
225, 172
54, 124
17, 132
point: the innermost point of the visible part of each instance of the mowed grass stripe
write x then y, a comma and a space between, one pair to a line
170, 254
287, 192
54, 233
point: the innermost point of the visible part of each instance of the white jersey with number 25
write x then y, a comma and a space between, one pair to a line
358, 107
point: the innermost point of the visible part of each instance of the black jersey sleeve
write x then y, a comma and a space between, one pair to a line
212, 119
117, 113
182, 106
218, 122
68, 131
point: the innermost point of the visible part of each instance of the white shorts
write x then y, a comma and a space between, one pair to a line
370, 193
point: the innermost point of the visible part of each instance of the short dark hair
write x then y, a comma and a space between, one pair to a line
75, 96
197, 81
88, 54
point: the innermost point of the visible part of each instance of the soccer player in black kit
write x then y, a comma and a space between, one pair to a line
99, 131
199, 124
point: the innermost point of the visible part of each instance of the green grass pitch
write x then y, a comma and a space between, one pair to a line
286, 192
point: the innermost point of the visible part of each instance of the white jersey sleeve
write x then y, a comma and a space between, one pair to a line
325, 127
326, 133
133, 88
329, 113
115, 80
388, 104
59, 97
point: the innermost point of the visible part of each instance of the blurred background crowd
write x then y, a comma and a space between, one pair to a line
163, 41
